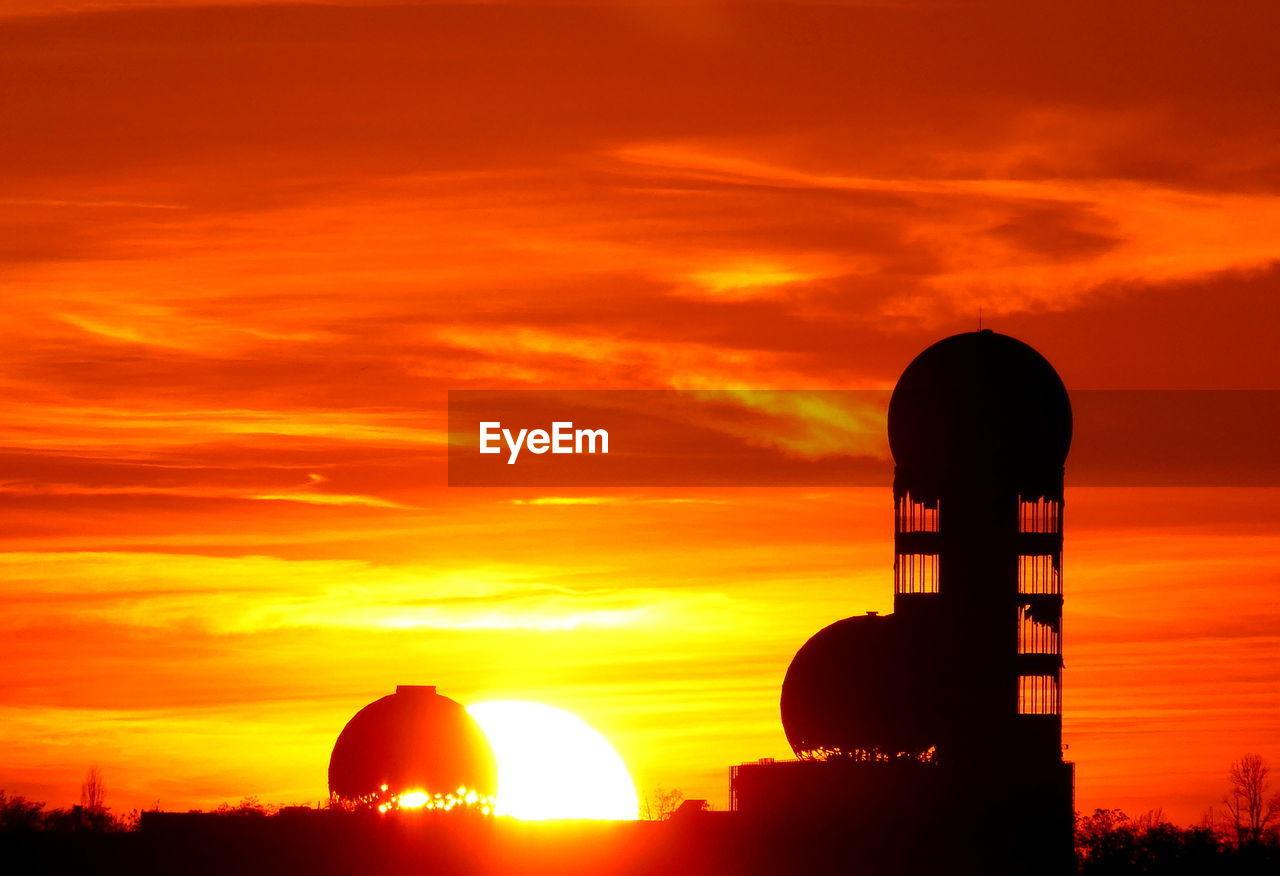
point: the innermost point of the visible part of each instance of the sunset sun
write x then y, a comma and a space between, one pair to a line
551, 764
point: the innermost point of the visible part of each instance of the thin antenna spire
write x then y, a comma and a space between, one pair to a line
979, 317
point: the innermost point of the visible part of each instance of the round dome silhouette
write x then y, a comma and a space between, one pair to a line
977, 403
857, 689
412, 740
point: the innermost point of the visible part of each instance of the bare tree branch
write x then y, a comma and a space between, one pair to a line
93, 793
1251, 811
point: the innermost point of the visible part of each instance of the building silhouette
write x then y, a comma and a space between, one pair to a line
932, 737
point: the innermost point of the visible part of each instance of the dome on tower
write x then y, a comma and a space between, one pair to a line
414, 740
980, 405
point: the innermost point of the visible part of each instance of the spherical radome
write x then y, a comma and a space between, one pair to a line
414, 740
857, 689
977, 402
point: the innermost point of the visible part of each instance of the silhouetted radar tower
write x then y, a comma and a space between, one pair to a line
979, 427
921, 731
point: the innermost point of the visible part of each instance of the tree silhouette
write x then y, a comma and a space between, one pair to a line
1110, 842
661, 803
93, 793
1252, 811
248, 806
18, 814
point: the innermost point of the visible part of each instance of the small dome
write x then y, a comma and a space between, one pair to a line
855, 690
412, 740
979, 404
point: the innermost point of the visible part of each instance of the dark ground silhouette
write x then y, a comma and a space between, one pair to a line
251, 839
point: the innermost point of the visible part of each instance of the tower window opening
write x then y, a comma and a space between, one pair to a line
1039, 695
914, 516
1039, 629
915, 573
1039, 515
1039, 573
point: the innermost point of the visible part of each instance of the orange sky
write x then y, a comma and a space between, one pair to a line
247, 249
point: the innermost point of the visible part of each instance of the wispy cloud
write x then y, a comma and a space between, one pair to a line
1145, 232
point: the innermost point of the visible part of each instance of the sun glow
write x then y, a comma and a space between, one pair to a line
462, 799
551, 764
413, 800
